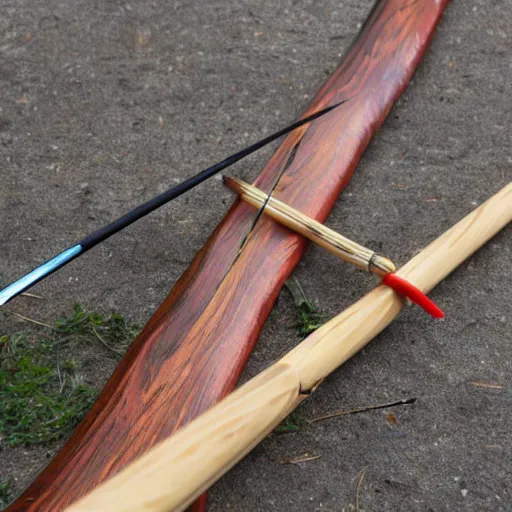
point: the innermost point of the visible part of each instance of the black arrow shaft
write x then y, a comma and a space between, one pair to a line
98, 236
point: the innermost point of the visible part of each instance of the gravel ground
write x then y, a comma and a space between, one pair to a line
104, 104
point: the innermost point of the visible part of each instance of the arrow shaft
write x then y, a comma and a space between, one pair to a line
98, 236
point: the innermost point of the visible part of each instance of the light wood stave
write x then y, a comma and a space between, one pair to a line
173, 473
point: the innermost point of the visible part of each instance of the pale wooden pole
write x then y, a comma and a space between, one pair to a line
171, 475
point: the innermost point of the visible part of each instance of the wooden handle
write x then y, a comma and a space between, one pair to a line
173, 473
341, 246
195, 346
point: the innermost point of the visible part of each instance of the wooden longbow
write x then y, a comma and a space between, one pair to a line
193, 349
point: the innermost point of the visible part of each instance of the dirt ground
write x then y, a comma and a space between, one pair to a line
103, 104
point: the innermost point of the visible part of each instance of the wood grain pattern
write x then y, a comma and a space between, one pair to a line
193, 349
341, 246
173, 473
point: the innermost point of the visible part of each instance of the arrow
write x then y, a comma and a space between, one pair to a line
98, 236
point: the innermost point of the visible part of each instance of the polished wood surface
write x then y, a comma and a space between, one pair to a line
341, 246
191, 352
174, 472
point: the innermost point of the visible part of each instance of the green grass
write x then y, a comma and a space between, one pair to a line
40, 398
43, 395
293, 423
5, 493
113, 330
309, 319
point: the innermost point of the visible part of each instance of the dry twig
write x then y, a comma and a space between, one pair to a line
363, 409
27, 319
307, 457
358, 488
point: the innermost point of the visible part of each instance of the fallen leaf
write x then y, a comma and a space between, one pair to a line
391, 418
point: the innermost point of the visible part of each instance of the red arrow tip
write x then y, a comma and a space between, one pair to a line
405, 288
